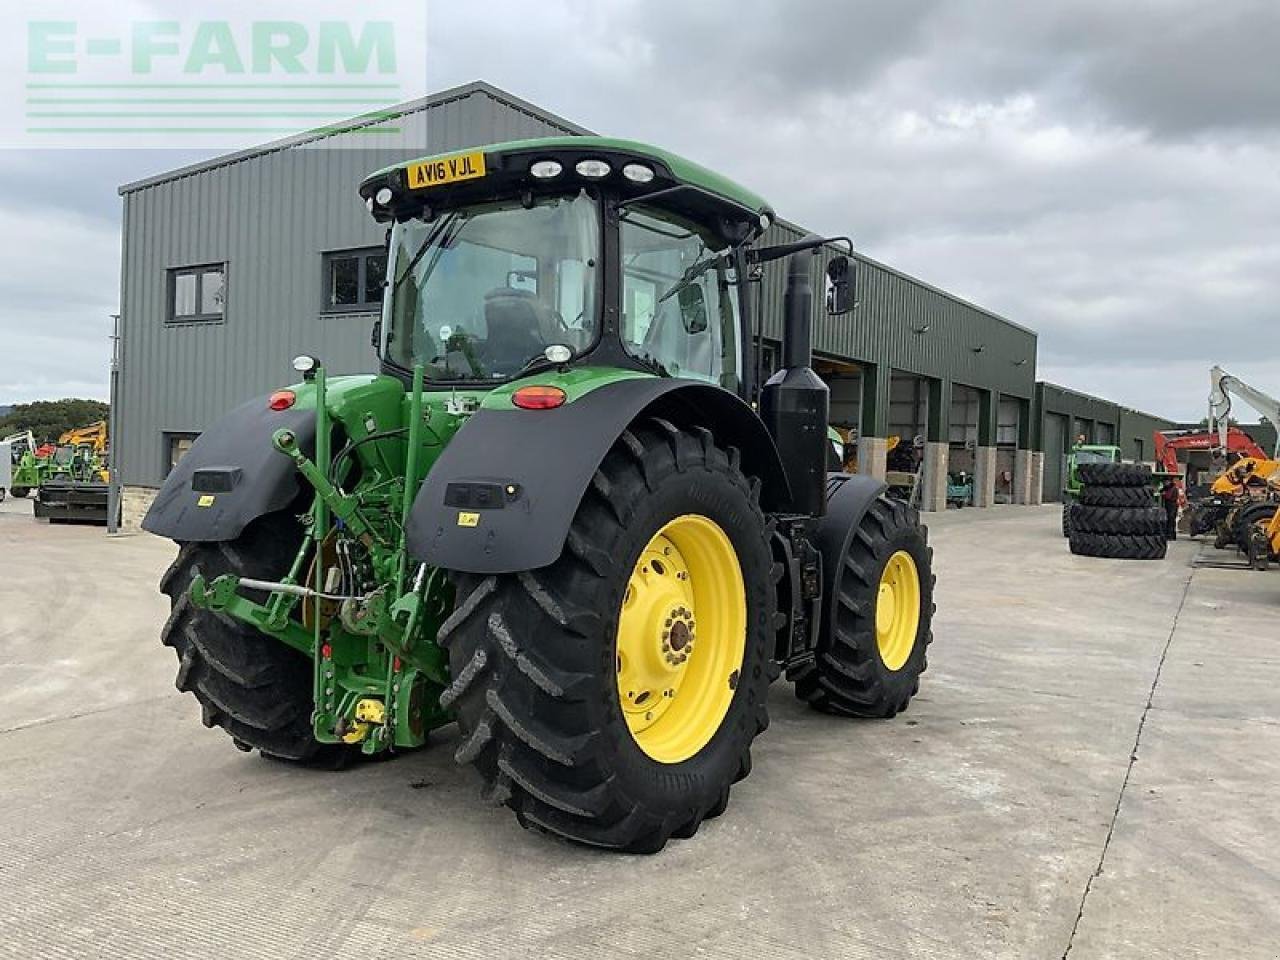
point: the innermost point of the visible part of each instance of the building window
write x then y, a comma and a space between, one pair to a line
353, 280
176, 446
197, 294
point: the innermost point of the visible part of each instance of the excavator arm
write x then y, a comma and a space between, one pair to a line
93, 435
1222, 387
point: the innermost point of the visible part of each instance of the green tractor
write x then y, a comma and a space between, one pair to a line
554, 516
1082, 453
28, 470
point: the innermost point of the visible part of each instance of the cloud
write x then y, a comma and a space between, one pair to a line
61, 268
58, 294
1103, 173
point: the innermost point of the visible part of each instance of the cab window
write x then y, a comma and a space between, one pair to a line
679, 297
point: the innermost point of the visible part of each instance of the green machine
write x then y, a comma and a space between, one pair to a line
29, 470
565, 512
1082, 453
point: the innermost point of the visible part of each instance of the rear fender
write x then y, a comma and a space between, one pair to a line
231, 475
503, 493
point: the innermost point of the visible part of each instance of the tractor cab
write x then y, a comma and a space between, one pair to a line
530, 255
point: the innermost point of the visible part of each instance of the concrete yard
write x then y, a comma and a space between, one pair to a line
1090, 771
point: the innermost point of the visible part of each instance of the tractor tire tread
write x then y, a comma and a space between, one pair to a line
527, 710
257, 689
1119, 546
1108, 496
1114, 474
1131, 521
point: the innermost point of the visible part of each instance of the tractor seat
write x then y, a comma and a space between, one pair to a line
513, 321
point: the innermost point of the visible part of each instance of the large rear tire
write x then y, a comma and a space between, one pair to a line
869, 660
1127, 520
1117, 497
251, 685
1115, 546
20, 493
551, 697
1114, 474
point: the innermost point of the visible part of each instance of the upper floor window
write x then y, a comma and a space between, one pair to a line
353, 280
197, 293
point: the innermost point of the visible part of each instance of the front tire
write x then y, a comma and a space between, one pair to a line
20, 493
872, 652
1246, 519
541, 659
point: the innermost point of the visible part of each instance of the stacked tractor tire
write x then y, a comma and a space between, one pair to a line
1117, 515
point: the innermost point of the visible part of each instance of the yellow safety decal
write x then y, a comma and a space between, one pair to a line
466, 519
206, 500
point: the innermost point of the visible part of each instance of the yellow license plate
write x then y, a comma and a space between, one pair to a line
436, 173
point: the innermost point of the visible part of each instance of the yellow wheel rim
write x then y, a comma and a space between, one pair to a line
897, 610
682, 633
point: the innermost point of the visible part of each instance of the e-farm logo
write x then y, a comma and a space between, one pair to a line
183, 80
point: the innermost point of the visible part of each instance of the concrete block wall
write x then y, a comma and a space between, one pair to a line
134, 504
933, 482
984, 476
871, 456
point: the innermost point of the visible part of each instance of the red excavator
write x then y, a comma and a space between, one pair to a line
1169, 442
1245, 468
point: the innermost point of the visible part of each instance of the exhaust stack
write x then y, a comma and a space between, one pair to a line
795, 403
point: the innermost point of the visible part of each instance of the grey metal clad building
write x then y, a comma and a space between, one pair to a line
233, 266
919, 364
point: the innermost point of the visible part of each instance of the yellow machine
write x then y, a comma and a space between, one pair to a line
1261, 537
1242, 473
92, 436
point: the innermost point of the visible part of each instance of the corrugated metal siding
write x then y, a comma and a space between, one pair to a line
1077, 408
1131, 430
269, 217
892, 307
1136, 433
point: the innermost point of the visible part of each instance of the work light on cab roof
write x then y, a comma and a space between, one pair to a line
636, 169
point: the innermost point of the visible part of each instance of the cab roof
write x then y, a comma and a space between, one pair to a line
514, 156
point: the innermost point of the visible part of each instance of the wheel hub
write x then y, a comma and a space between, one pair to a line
674, 688
885, 611
897, 609
658, 606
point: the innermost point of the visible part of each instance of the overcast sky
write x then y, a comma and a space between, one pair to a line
1105, 173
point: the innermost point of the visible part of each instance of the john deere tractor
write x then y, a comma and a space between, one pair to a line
555, 516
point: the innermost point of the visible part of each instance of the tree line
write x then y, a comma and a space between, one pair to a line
49, 419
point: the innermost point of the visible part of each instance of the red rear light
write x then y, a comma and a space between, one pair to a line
538, 397
282, 400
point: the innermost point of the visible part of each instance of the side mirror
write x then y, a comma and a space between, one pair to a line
840, 286
693, 309
375, 337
